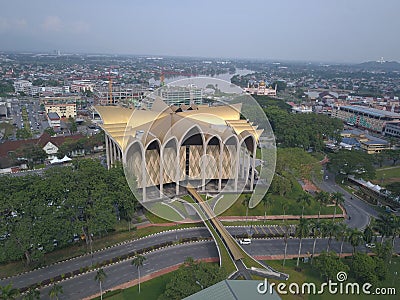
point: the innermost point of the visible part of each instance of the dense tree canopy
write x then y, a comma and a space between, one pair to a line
191, 278
357, 163
39, 213
302, 130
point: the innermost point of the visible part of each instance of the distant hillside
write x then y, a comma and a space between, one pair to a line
382, 66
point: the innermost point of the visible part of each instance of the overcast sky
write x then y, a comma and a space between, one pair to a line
306, 30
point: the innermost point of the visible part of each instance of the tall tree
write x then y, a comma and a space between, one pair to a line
304, 199
100, 277
8, 292
322, 198
355, 238
266, 200
302, 230
138, 262
342, 235
384, 225
316, 230
338, 199
246, 202
329, 229
32, 294
55, 291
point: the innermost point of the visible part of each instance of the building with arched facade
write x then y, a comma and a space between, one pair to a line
167, 147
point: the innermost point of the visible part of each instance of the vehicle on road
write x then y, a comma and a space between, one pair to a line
371, 245
245, 242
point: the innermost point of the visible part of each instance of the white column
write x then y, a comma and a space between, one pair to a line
178, 159
237, 158
161, 175
203, 168
115, 152
253, 165
108, 152
144, 175
221, 150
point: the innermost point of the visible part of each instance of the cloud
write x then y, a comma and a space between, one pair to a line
79, 27
7, 24
52, 23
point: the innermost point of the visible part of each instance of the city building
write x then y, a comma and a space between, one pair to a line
357, 139
175, 95
393, 129
78, 86
22, 86
209, 147
54, 120
260, 89
63, 110
127, 94
364, 117
302, 109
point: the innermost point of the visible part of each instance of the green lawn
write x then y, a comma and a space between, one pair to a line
388, 175
151, 289
292, 207
307, 274
166, 211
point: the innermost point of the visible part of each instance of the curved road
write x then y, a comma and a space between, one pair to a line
358, 210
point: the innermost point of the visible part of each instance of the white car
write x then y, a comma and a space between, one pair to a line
245, 241
372, 245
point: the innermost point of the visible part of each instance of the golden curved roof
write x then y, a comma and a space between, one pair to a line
123, 124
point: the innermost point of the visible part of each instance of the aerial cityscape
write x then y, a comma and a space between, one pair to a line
213, 150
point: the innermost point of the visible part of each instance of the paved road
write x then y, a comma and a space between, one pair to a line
74, 264
85, 285
359, 211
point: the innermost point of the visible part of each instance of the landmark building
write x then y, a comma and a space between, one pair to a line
168, 147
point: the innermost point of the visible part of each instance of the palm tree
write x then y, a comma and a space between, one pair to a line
284, 205
138, 262
55, 290
368, 234
246, 202
315, 227
8, 292
395, 229
286, 242
266, 200
338, 198
384, 225
304, 199
32, 294
329, 229
341, 234
100, 277
302, 230
355, 238
322, 198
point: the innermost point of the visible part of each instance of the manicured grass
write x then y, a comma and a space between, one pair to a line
388, 175
307, 274
292, 207
151, 289
164, 210
155, 219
